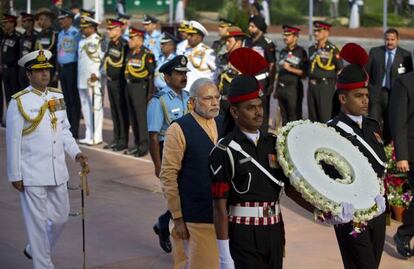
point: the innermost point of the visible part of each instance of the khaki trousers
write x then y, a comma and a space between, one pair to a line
200, 251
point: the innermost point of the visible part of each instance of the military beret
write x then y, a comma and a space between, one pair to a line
133, 32
178, 63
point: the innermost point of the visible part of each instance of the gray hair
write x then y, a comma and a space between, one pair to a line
198, 84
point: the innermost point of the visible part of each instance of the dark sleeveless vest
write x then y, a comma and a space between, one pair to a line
194, 183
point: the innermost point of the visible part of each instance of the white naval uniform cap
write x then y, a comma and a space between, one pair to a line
38, 59
195, 25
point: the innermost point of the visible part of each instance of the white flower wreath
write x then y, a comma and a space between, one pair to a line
319, 141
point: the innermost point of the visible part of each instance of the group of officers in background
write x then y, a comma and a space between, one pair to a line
137, 68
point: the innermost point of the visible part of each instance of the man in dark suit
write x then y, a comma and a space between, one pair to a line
385, 64
401, 116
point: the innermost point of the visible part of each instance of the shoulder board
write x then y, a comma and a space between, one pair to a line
159, 94
20, 93
268, 40
50, 89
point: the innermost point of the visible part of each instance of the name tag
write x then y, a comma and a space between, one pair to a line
175, 110
401, 70
27, 44
114, 52
44, 41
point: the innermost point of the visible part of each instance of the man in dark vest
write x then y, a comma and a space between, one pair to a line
401, 115
185, 178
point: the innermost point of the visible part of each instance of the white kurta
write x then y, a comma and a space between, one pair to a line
201, 62
89, 61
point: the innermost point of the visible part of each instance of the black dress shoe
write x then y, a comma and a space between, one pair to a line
165, 242
27, 254
141, 153
119, 147
110, 146
131, 151
403, 246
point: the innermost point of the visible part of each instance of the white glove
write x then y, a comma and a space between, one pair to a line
346, 215
226, 262
380, 201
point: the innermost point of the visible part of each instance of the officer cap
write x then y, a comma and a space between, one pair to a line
26, 16
88, 22
321, 25
63, 13
167, 37
287, 29
133, 32
354, 75
45, 11
178, 63
9, 18
234, 31
183, 26
75, 6
36, 60
197, 28
87, 13
123, 17
259, 22
225, 22
149, 19
113, 23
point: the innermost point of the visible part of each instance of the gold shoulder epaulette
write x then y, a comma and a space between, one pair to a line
51, 89
18, 94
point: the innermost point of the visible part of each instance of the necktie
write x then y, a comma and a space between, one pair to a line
388, 71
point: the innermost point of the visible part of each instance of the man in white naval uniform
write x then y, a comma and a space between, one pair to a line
90, 56
37, 138
201, 58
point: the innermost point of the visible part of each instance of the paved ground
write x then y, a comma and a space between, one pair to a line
121, 210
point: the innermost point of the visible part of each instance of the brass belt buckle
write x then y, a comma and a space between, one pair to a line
268, 211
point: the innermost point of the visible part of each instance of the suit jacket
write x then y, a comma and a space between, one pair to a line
376, 66
401, 116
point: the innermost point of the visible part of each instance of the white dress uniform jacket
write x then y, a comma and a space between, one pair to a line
201, 62
38, 158
89, 59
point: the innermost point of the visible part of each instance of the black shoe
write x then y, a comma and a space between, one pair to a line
131, 151
141, 153
110, 146
27, 254
165, 242
403, 246
119, 147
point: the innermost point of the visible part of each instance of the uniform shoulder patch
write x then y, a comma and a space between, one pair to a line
51, 89
159, 94
20, 93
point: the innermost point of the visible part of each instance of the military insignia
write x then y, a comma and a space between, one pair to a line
378, 138
41, 57
183, 61
272, 161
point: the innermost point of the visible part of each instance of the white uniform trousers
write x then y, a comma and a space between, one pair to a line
45, 212
93, 118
